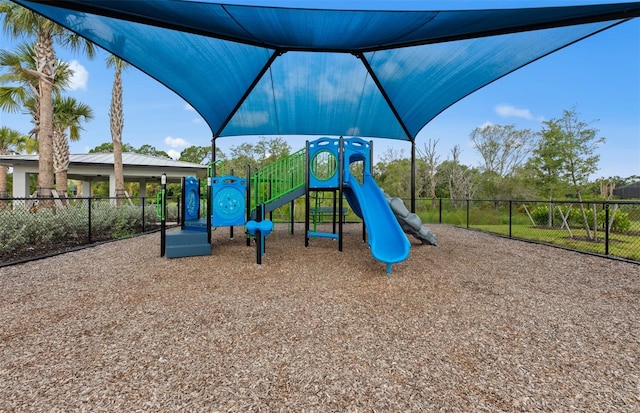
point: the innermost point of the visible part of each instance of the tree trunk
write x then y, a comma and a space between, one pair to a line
61, 162
45, 60
116, 123
585, 221
3, 185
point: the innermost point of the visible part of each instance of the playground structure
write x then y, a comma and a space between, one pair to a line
340, 167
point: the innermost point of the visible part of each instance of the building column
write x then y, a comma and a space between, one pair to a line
20, 184
86, 189
112, 185
143, 189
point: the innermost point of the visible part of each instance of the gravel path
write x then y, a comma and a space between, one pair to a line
480, 323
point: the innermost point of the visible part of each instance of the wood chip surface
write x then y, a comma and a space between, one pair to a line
480, 323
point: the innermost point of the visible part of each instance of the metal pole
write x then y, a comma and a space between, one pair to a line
248, 200
467, 212
163, 221
341, 166
209, 209
183, 201
89, 213
510, 217
413, 176
307, 205
258, 235
213, 155
143, 202
606, 228
292, 208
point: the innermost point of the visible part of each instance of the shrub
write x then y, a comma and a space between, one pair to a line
21, 228
621, 221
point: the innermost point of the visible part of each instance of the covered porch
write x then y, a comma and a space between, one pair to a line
96, 167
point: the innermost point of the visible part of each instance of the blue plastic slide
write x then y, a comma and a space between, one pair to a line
387, 240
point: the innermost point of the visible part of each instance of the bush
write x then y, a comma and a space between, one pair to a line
540, 215
21, 228
621, 221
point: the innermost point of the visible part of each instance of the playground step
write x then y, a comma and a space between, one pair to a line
196, 225
187, 244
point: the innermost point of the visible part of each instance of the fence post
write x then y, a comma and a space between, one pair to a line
510, 217
89, 231
606, 228
440, 213
468, 212
163, 222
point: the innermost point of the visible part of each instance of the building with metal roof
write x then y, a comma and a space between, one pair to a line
94, 167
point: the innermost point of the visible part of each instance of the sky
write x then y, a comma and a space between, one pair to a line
598, 76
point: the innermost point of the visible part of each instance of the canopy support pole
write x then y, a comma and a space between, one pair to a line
413, 176
213, 148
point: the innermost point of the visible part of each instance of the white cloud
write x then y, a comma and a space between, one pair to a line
80, 76
173, 154
508, 111
189, 107
175, 142
484, 125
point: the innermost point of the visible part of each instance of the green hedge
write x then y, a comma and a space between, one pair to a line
540, 215
21, 228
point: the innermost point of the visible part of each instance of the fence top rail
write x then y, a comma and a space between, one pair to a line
93, 198
539, 201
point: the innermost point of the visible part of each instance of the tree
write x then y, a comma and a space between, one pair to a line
459, 177
20, 84
116, 122
430, 162
575, 145
258, 155
107, 147
22, 94
196, 154
270, 150
393, 173
503, 150
151, 150
68, 114
21, 22
11, 142
546, 165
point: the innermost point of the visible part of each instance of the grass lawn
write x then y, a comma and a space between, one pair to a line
624, 246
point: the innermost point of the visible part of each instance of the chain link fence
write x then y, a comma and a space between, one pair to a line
36, 227
610, 228
32, 227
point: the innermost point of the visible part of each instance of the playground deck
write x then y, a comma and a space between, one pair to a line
480, 323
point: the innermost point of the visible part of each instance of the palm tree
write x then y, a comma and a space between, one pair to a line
68, 114
11, 142
116, 121
21, 22
22, 92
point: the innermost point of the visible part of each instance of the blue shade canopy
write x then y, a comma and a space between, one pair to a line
259, 70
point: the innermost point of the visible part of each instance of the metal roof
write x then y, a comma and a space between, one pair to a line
128, 159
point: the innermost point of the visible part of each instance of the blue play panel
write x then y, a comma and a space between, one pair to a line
187, 244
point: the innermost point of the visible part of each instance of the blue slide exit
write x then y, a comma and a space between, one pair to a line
387, 240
